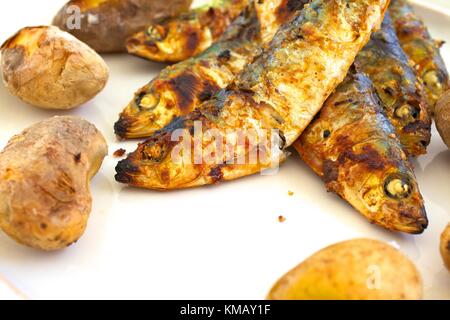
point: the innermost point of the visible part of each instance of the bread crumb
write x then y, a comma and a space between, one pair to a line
120, 153
281, 219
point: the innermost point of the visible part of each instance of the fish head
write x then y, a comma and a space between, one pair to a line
435, 80
165, 161
171, 40
176, 92
390, 195
138, 118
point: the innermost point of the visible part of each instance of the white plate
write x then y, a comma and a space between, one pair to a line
221, 242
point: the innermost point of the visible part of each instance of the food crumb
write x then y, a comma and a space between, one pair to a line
281, 219
290, 193
120, 153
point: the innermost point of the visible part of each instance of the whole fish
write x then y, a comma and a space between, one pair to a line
354, 148
181, 88
421, 49
403, 96
179, 38
274, 99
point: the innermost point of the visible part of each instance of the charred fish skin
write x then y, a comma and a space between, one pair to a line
181, 88
420, 47
177, 39
272, 97
274, 13
402, 94
354, 148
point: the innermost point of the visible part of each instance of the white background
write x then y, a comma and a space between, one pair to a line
215, 242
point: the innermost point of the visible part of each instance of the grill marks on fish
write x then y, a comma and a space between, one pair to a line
287, 9
185, 86
369, 157
274, 13
192, 42
396, 83
180, 88
361, 154
180, 38
422, 49
265, 95
216, 174
217, 67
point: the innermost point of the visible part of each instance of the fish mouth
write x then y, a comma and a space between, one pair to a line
422, 137
414, 227
412, 220
145, 166
416, 220
125, 170
132, 127
121, 127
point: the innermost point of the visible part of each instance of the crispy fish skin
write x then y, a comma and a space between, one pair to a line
181, 88
177, 39
354, 148
402, 94
421, 49
274, 13
314, 51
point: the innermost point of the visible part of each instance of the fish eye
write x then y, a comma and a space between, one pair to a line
154, 152
433, 79
326, 134
398, 186
146, 100
407, 111
156, 33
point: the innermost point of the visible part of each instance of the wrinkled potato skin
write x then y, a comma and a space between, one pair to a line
106, 24
51, 69
445, 246
345, 271
442, 116
45, 171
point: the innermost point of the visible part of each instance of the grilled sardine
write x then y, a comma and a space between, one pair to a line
181, 88
403, 96
276, 97
354, 148
421, 49
177, 39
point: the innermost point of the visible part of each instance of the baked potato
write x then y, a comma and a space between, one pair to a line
356, 269
105, 25
45, 171
445, 246
51, 69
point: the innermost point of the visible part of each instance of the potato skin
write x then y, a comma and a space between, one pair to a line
51, 69
45, 171
445, 246
350, 270
105, 25
442, 116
